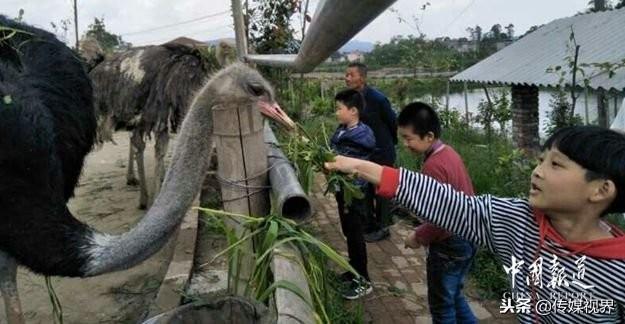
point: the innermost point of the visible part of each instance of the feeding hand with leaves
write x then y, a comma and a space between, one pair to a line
309, 153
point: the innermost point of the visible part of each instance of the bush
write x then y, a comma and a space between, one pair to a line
560, 114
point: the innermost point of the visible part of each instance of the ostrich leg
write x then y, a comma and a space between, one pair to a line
8, 288
160, 150
131, 180
139, 146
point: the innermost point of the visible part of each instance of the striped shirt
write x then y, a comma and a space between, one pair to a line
571, 286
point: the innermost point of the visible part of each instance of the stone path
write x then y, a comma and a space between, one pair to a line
398, 274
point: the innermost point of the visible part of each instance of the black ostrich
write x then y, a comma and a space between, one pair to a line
147, 90
48, 125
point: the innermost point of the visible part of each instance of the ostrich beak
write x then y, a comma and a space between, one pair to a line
273, 111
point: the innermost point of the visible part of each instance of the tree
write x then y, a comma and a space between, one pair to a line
20, 15
471, 32
478, 33
510, 30
496, 32
599, 5
108, 41
620, 4
270, 27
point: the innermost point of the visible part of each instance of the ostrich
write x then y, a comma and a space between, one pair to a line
147, 90
48, 125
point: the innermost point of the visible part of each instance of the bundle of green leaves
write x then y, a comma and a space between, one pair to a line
308, 154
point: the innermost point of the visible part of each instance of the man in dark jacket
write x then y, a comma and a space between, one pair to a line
381, 118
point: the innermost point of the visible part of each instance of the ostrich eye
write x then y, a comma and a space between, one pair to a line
255, 89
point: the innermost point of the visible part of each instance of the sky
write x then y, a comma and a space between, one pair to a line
144, 22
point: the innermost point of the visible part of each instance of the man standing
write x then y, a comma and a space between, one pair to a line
379, 116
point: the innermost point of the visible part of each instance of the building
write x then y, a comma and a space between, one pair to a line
355, 56
523, 65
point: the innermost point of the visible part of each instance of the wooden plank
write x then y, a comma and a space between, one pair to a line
291, 308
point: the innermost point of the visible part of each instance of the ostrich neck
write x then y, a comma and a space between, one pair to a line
182, 183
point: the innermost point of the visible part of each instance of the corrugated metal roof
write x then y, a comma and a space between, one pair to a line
601, 37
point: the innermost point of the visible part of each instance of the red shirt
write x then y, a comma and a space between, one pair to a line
446, 166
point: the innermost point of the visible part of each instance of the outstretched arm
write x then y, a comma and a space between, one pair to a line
369, 171
468, 216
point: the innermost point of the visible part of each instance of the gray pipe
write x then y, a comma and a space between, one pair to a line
290, 199
334, 23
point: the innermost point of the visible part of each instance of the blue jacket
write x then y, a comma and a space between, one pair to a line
357, 142
379, 115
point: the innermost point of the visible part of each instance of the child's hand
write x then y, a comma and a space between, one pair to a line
342, 164
411, 241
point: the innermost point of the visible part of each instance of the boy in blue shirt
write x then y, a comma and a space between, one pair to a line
355, 139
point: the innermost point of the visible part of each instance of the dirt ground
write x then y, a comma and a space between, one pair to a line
104, 201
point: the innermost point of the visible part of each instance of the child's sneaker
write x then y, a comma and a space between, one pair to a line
347, 277
357, 289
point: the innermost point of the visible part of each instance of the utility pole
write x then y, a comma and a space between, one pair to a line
239, 29
76, 23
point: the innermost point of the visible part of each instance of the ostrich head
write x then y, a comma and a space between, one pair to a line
242, 84
236, 83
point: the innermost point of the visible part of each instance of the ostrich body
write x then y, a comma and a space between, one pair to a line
147, 90
48, 125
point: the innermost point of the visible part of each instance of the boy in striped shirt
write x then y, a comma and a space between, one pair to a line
565, 264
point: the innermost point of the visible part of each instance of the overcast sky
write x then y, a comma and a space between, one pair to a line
138, 21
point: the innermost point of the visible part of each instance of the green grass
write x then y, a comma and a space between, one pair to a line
270, 233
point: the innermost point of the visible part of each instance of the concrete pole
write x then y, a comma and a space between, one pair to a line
76, 23
239, 29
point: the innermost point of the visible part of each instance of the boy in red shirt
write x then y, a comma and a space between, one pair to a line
449, 256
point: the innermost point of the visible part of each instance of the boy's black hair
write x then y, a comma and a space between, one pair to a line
421, 117
362, 68
600, 151
351, 98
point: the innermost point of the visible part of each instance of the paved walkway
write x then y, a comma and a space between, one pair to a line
398, 274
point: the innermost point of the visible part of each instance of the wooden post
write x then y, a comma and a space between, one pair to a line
242, 170
602, 110
615, 106
466, 103
239, 29
586, 106
447, 98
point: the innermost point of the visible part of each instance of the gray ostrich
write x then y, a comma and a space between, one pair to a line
147, 90
47, 126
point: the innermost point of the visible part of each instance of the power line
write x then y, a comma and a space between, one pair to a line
459, 15
162, 39
176, 24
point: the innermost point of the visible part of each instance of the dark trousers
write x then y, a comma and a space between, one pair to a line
448, 262
380, 216
352, 217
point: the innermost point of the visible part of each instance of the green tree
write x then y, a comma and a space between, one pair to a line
560, 114
510, 31
270, 30
109, 41
592, 4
